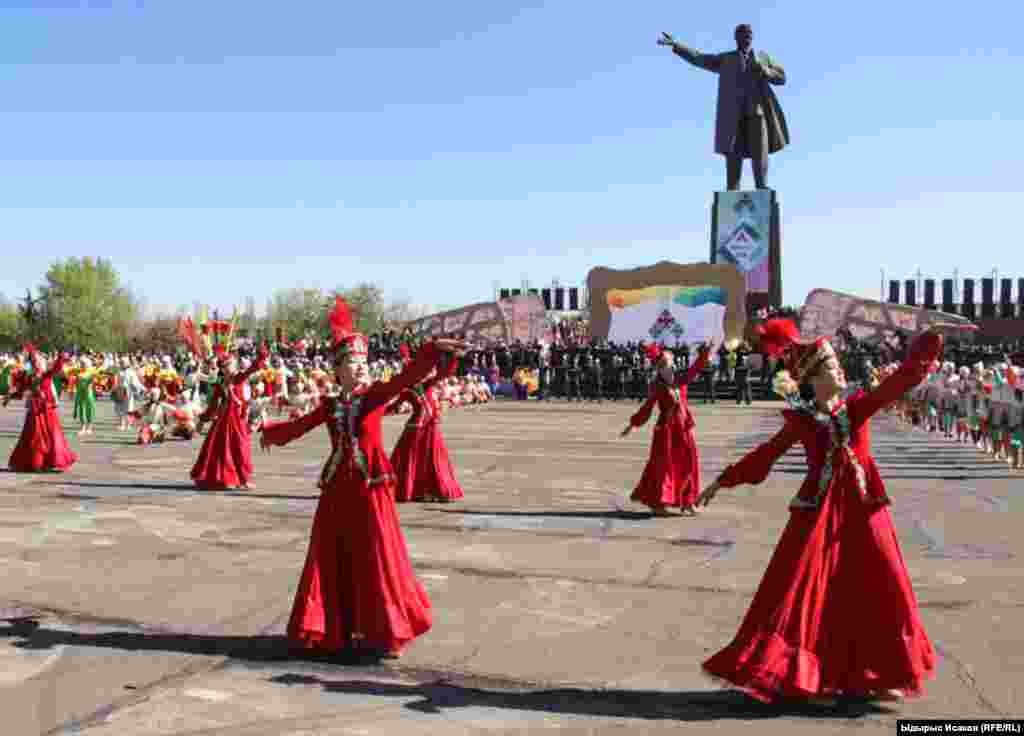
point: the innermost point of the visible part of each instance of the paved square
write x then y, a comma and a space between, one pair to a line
133, 604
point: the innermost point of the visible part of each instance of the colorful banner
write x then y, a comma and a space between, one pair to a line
517, 318
525, 317
671, 315
479, 322
744, 235
826, 312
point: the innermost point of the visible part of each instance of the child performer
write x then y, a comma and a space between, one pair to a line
672, 474
184, 416
85, 396
42, 444
258, 407
358, 587
1017, 430
153, 416
126, 389
806, 634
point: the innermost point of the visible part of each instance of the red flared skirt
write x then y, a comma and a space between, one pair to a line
358, 585
422, 466
42, 444
835, 612
225, 460
672, 474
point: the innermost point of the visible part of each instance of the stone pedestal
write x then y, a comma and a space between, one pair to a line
745, 232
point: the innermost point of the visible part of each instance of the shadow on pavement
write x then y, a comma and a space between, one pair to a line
436, 691
439, 696
124, 486
621, 515
179, 487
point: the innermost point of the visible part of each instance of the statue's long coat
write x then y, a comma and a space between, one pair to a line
727, 112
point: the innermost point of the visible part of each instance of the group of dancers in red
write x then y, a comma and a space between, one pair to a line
807, 634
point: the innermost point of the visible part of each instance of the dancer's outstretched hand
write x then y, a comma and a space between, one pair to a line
709, 493
446, 345
937, 328
627, 430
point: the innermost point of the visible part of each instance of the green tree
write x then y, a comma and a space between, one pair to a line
297, 311
86, 305
402, 311
367, 304
302, 311
12, 325
158, 335
248, 323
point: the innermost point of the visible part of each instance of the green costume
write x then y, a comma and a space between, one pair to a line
85, 398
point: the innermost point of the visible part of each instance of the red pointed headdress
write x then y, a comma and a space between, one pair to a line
777, 336
347, 342
221, 353
780, 338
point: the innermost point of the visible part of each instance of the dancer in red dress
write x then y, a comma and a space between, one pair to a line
225, 460
672, 474
42, 445
420, 459
358, 588
835, 613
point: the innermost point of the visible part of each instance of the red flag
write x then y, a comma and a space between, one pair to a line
187, 333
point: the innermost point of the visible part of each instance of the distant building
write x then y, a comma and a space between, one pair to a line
999, 316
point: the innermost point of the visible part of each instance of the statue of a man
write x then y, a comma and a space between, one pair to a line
748, 121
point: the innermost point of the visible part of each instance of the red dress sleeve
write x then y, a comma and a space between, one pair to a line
46, 380
911, 372
214, 405
281, 433
695, 368
755, 465
248, 372
395, 403
381, 393
55, 368
445, 372
644, 412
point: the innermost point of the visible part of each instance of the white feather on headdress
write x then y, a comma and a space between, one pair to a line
784, 385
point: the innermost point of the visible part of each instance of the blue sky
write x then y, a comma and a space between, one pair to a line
217, 150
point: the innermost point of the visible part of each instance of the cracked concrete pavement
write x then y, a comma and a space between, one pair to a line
133, 604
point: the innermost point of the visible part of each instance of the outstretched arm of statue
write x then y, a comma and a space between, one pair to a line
711, 62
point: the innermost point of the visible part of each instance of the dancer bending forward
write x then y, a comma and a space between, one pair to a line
835, 613
420, 459
357, 588
672, 475
42, 444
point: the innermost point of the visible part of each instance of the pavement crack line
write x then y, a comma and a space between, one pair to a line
194, 665
261, 727
518, 575
142, 694
656, 566
463, 661
969, 681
